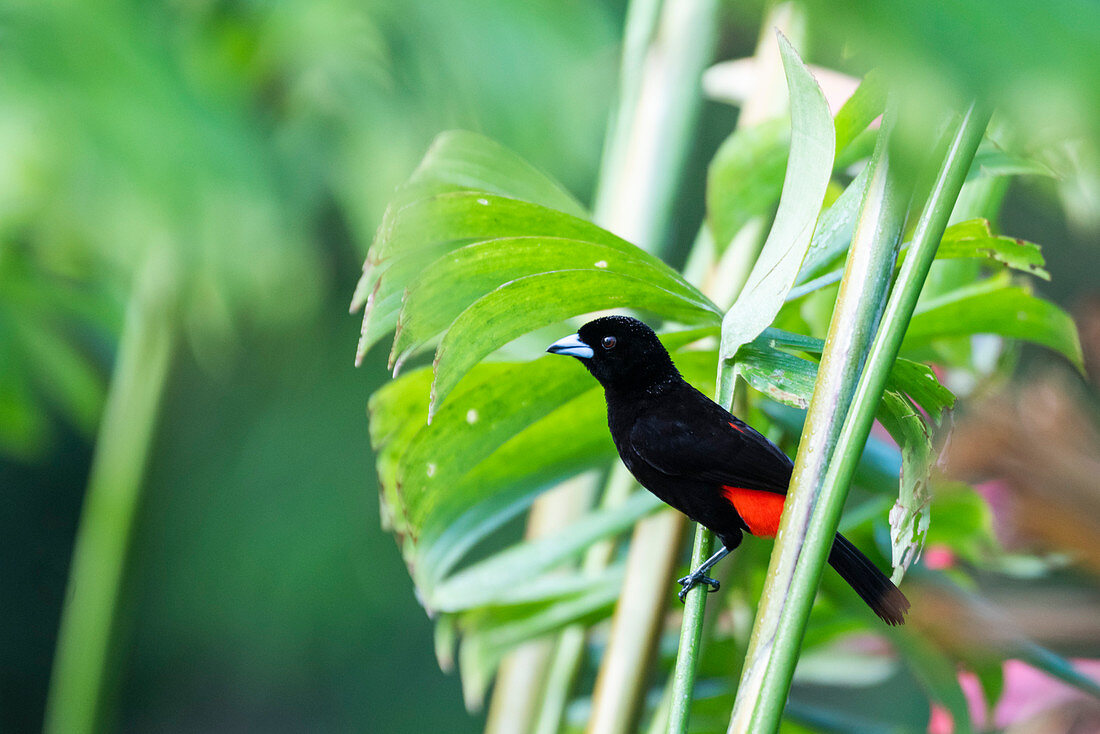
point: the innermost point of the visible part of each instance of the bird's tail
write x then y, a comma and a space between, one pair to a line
872, 585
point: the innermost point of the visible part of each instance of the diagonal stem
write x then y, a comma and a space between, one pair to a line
777, 638
858, 308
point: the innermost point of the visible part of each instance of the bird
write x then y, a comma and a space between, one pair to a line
696, 456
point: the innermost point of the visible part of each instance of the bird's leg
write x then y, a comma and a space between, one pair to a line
698, 576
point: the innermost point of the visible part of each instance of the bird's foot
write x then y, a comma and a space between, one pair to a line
690, 581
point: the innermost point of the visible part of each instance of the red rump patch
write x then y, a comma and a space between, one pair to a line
759, 509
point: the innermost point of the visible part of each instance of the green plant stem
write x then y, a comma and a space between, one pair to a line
654, 124
637, 203
569, 651
858, 307
77, 688
733, 271
665, 49
822, 525
691, 629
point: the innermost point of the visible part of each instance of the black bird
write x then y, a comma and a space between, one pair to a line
698, 457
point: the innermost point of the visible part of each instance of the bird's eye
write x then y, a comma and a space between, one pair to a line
608, 342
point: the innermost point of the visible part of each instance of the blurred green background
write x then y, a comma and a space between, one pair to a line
258, 144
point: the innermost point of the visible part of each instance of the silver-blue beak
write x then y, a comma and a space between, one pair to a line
571, 346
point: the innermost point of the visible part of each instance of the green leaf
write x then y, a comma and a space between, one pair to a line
920, 383
861, 109
993, 306
790, 380
915, 379
782, 377
804, 186
973, 239
491, 580
936, 673
833, 234
453, 282
570, 439
909, 517
415, 233
465, 160
745, 178
991, 161
474, 215
498, 402
535, 301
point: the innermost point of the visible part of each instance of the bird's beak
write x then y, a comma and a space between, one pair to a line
571, 346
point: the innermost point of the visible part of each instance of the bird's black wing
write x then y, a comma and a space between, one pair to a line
699, 440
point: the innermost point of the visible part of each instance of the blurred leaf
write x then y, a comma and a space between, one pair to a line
804, 186
994, 306
486, 640
990, 161
458, 159
47, 324
936, 673
745, 178
964, 522
861, 109
528, 303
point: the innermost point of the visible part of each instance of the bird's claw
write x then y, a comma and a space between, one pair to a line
690, 581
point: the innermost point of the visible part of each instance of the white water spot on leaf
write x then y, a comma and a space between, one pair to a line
431, 470
471, 416
483, 202
601, 264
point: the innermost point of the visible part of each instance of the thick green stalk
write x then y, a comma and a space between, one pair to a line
884, 350
858, 307
76, 697
569, 651
654, 125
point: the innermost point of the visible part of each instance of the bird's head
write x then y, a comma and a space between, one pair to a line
620, 352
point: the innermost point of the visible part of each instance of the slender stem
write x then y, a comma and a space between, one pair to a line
638, 205
858, 308
691, 637
766, 102
77, 690
691, 629
666, 47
